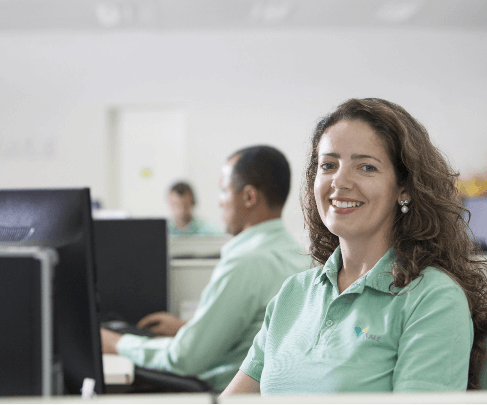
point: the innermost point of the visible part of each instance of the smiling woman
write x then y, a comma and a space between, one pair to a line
398, 269
355, 185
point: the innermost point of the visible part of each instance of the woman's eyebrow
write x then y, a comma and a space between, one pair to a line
354, 156
332, 154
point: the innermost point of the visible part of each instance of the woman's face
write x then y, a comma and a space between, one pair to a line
355, 188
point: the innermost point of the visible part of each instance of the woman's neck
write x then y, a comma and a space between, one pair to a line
359, 257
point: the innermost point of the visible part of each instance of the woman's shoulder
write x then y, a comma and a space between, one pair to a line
434, 280
438, 276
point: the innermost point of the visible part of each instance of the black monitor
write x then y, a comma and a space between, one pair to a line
61, 219
132, 264
478, 219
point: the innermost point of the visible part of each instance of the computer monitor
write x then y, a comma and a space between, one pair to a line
478, 219
132, 264
61, 219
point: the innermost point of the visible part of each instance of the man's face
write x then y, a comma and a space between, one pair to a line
181, 207
231, 202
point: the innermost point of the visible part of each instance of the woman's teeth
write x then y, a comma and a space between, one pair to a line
346, 204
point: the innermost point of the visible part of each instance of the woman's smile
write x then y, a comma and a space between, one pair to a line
345, 205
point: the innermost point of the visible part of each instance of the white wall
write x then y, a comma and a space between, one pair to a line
238, 88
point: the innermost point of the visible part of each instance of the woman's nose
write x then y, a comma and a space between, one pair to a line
342, 179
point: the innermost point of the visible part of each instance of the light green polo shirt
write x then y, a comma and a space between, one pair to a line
315, 340
197, 226
213, 344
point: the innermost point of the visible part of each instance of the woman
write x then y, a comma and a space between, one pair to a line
399, 304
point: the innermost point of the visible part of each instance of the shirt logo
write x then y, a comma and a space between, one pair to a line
359, 332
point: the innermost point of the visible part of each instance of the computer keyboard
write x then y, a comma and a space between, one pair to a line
125, 327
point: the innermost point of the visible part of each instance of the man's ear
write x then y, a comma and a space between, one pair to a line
250, 196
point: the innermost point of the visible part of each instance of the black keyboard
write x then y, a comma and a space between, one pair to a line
125, 327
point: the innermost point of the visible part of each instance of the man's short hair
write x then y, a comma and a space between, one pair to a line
265, 168
181, 188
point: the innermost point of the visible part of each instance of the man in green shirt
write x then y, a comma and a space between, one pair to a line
254, 184
182, 201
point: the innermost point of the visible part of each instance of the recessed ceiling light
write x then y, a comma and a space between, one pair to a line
398, 11
109, 14
270, 11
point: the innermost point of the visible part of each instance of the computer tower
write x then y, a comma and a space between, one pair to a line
27, 363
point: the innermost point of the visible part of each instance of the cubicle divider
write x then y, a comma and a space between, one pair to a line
187, 279
192, 260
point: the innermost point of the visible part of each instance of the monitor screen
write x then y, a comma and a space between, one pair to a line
132, 263
61, 219
478, 219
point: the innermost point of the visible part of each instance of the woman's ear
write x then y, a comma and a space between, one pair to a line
251, 196
403, 197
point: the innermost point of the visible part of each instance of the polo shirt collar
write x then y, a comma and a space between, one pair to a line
263, 228
379, 277
331, 268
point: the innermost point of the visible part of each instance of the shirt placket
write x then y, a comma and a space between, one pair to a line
334, 312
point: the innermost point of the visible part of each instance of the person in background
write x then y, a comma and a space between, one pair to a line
182, 201
254, 183
400, 301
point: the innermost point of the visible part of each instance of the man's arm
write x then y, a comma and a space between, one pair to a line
109, 340
161, 323
227, 308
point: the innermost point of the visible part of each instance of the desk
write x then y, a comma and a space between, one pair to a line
116, 399
477, 397
117, 369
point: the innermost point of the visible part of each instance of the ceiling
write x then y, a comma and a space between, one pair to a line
159, 15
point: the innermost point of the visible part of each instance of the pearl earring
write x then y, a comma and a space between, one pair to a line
404, 204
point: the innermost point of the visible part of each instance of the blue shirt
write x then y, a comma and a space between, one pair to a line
315, 340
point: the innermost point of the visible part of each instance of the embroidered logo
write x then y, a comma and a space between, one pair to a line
359, 332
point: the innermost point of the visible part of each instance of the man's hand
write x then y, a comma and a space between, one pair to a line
109, 340
161, 323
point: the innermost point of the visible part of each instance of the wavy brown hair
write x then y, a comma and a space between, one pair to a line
434, 232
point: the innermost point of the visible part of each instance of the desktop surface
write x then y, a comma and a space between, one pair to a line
477, 397
469, 397
183, 398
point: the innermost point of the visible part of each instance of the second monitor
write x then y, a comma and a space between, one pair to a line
132, 262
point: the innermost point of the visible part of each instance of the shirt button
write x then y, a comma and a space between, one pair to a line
329, 322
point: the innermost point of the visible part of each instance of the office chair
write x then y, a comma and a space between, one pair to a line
148, 380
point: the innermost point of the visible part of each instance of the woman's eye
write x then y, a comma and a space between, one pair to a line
368, 168
327, 166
